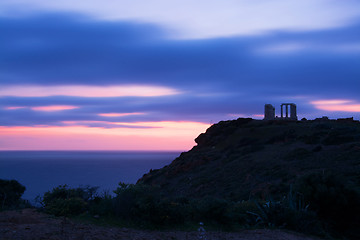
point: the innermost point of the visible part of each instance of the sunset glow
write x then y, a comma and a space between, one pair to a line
165, 136
337, 105
330, 102
53, 108
87, 91
116, 74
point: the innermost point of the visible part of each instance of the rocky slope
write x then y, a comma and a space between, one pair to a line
245, 158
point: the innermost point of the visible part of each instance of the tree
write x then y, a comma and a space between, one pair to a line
10, 193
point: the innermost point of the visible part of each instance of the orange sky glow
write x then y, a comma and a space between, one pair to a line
178, 136
337, 105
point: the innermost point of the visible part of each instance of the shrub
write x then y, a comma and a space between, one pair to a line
102, 204
335, 201
239, 213
284, 214
143, 203
64, 201
211, 210
66, 207
10, 193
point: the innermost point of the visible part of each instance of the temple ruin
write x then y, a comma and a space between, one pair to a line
292, 115
269, 112
290, 112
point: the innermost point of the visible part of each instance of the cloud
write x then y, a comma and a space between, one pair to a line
119, 114
13, 108
154, 74
65, 50
295, 48
53, 108
121, 68
186, 19
86, 91
103, 124
282, 48
337, 105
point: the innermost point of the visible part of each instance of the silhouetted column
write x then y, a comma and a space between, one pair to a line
293, 115
269, 113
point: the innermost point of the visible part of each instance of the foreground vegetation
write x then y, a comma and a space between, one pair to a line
10, 195
318, 204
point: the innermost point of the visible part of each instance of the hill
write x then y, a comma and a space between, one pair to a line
245, 158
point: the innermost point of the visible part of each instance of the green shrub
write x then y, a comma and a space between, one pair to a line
10, 193
65, 201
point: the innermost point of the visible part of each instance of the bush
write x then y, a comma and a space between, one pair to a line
65, 201
211, 210
102, 205
143, 203
66, 207
335, 201
10, 193
318, 202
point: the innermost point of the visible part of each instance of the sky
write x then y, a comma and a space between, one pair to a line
153, 75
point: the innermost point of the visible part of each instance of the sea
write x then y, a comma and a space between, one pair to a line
41, 171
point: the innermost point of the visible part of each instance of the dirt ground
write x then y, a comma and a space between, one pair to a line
28, 224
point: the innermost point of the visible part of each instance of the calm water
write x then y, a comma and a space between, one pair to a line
40, 171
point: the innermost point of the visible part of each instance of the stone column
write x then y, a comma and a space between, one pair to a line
293, 114
269, 113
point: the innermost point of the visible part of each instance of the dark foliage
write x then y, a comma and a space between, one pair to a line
319, 204
336, 202
211, 210
143, 203
10, 193
64, 201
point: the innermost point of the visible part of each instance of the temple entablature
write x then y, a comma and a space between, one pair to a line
290, 112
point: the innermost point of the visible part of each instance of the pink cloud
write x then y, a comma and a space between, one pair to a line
330, 102
53, 108
87, 91
337, 105
119, 114
13, 108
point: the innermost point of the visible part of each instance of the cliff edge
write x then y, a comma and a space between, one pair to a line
245, 158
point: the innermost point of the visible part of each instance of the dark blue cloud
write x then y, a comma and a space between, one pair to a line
174, 108
218, 76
